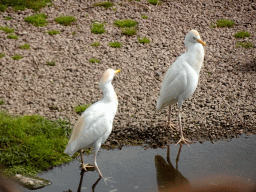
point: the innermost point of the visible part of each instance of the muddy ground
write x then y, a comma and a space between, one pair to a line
223, 105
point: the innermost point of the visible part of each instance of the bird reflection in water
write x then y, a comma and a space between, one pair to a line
168, 177
81, 181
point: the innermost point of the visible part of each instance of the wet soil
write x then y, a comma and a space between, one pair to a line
223, 105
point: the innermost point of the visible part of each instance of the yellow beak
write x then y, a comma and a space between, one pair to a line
200, 41
117, 71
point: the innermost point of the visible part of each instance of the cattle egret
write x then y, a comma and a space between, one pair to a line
95, 124
181, 78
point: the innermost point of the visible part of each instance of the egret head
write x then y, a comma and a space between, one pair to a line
107, 77
193, 37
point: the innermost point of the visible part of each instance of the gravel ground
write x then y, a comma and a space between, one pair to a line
223, 105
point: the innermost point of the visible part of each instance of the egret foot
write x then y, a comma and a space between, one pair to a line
108, 179
85, 166
183, 140
168, 124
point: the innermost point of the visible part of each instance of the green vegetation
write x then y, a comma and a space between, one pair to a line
125, 23
6, 29
37, 20
17, 57
144, 16
1, 102
11, 36
242, 34
115, 44
74, 33
51, 63
2, 55
129, 31
98, 28
244, 44
225, 23
65, 20
143, 40
114, 9
21, 5
79, 109
155, 2
95, 44
3, 8
8, 18
25, 46
53, 32
32, 144
94, 60
104, 4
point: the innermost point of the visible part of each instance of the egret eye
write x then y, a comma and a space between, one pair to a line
194, 38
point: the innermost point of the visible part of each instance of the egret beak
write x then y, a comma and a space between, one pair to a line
117, 71
200, 41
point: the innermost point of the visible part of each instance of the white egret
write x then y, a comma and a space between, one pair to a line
95, 124
181, 78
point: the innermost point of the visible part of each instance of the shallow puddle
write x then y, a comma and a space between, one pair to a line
136, 169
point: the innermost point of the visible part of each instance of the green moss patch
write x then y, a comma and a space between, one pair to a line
98, 28
242, 34
125, 23
6, 29
115, 44
65, 20
37, 20
104, 4
31, 144
225, 23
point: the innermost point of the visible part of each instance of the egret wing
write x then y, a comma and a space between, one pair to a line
172, 87
89, 128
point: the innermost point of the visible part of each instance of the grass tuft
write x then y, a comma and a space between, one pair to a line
11, 36
65, 20
79, 109
6, 29
53, 32
8, 18
225, 23
155, 2
17, 57
32, 144
2, 102
125, 23
37, 20
94, 60
129, 31
50, 63
144, 40
36, 5
246, 45
2, 55
19, 7
95, 44
144, 16
97, 28
25, 46
242, 34
115, 44
3, 8
104, 4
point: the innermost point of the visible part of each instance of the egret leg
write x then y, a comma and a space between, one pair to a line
182, 139
84, 166
96, 149
169, 119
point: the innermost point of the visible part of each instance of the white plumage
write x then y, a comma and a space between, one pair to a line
181, 79
95, 124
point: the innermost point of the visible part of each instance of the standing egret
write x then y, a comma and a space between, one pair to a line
181, 79
95, 124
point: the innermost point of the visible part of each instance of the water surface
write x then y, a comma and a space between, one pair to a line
137, 169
